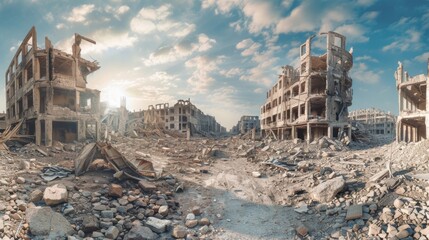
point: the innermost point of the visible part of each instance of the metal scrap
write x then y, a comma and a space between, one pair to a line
54, 172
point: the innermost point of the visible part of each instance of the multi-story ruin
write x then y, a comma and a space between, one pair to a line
46, 89
311, 100
247, 123
180, 117
413, 120
375, 121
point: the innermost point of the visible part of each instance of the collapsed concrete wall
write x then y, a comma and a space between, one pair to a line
311, 100
47, 88
375, 121
413, 120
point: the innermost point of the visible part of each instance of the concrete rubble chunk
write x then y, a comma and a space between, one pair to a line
147, 186
157, 225
115, 190
45, 222
354, 212
36, 195
326, 191
55, 194
139, 232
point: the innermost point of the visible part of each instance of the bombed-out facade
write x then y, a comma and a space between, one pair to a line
311, 100
180, 117
46, 89
375, 121
413, 120
246, 124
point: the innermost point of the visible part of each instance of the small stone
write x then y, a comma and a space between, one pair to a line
112, 232
196, 210
20, 180
190, 216
191, 223
373, 230
204, 221
163, 210
90, 223
157, 225
402, 234
354, 212
107, 214
146, 185
256, 174
398, 203
115, 190
204, 230
179, 232
302, 231
36, 195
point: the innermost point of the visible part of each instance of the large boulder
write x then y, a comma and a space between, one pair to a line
326, 191
46, 223
139, 232
55, 194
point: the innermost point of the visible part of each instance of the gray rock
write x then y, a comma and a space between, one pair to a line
139, 232
107, 214
179, 232
90, 224
326, 191
45, 222
112, 232
158, 225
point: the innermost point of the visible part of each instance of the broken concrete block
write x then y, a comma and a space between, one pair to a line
146, 185
55, 194
115, 190
354, 212
44, 222
158, 225
326, 191
90, 223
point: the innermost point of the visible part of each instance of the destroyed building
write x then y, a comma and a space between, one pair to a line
180, 117
2, 122
245, 124
374, 121
46, 90
115, 118
311, 100
413, 120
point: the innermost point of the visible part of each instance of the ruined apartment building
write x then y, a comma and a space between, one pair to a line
375, 121
413, 120
311, 100
46, 88
179, 117
247, 123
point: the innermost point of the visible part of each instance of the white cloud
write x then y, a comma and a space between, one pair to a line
287, 3
60, 26
106, 39
353, 32
222, 6
237, 25
258, 90
182, 49
79, 14
422, 57
200, 79
410, 40
231, 72
261, 14
366, 3
362, 73
150, 19
311, 16
369, 16
249, 47
117, 12
365, 58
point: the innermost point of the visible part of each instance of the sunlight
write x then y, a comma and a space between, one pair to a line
113, 96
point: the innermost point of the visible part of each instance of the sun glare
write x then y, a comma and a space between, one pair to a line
113, 96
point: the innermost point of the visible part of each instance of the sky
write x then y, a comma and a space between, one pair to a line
223, 55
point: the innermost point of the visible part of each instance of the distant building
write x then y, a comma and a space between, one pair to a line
375, 121
312, 100
413, 120
247, 123
180, 117
2, 122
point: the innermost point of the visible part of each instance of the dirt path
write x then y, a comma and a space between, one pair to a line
240, 205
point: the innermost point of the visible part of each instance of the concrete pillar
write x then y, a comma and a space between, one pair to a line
37, 132
48, 132
308, 133
254, 133
349, 132
330, 131
293, 133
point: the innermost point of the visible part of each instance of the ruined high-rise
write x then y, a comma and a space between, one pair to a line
312, 100
413, 120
